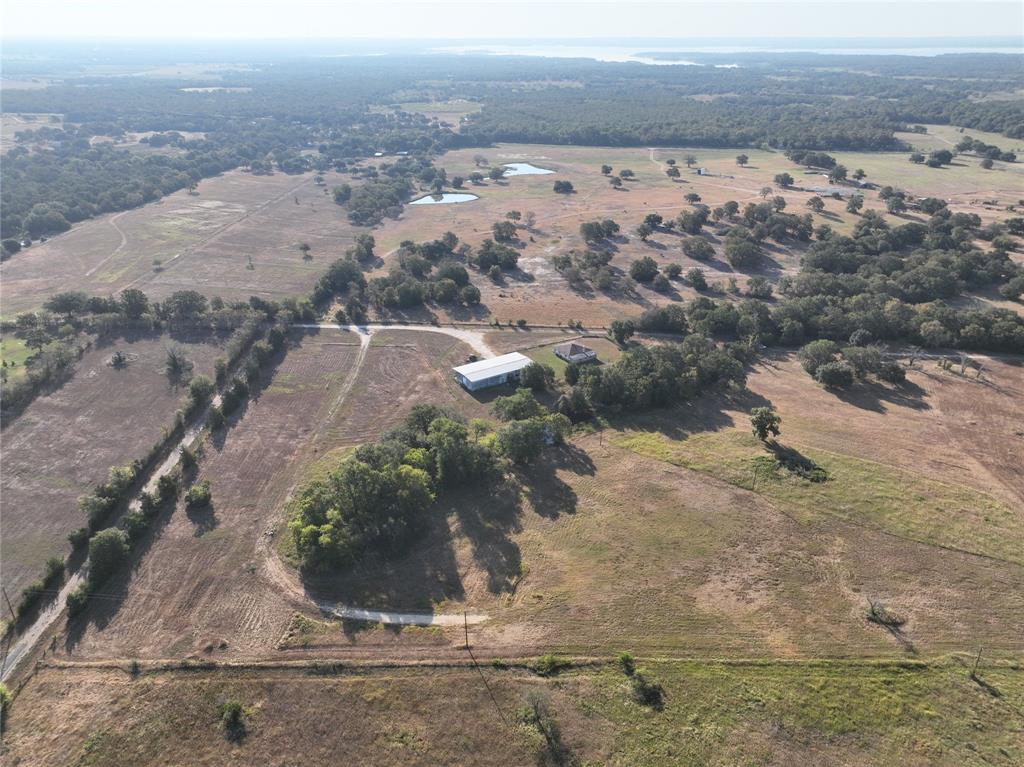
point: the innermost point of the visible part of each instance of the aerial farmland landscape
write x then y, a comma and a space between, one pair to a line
382, 386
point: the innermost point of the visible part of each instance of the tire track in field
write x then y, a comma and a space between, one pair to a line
124, 241
364, 347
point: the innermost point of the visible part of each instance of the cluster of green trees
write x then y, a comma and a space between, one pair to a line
264, 125
370, 202
988, 151
890, 282
386, 187
588, 268
783, 102
433, 271
110, 547
811, 159
381, 495
36, 591
595, 231
652, 376
268, 119
47, 368
821, 359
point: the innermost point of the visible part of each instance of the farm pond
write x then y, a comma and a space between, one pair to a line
448, 198
525, 169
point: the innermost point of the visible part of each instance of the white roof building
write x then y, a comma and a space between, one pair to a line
491, 372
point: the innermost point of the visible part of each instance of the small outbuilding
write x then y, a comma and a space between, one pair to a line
492, 372
571, 351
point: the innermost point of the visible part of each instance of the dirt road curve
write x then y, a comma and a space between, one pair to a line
473, 338
25, 643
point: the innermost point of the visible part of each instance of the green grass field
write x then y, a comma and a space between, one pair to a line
14, 353
857, 490
607, 351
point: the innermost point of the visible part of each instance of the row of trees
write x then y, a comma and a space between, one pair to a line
250, 349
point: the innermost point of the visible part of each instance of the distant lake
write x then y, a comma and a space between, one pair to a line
449, 198
675, 56
525, 169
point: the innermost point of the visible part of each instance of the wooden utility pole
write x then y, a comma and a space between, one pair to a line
465, 626
977, 660
14, 615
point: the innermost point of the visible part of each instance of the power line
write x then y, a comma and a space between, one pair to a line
494, 700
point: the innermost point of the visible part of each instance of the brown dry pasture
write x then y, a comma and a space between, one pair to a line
655, 534
66, 441
213, 576
538, 293
815, 714
742, 588
203, 242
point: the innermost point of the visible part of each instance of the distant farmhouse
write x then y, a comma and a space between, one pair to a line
493, 372
574, 352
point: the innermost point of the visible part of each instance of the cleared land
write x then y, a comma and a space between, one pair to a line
447, 113
239, 236
655, 534
66, 441
206, 241
714, 714
667, 533
212, 577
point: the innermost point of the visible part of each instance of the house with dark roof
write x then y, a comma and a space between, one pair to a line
571, 351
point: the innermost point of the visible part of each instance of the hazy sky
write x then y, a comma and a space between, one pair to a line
503, 19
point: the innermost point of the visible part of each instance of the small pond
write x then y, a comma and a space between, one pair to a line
448, 198
525, 169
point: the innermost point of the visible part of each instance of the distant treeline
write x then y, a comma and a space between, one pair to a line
300, 115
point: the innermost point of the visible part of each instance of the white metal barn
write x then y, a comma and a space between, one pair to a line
492, 372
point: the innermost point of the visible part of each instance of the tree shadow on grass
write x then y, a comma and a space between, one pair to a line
875, 396
706, 413
409, 578
464, 313
203, 518
549, 495
488, 515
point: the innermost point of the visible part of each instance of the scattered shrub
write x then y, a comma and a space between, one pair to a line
550, 665
232, 719
835, 375
198, 496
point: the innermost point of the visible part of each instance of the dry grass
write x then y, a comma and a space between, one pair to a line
766, 714
648, 535
212, 576
201, 242
65, 442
